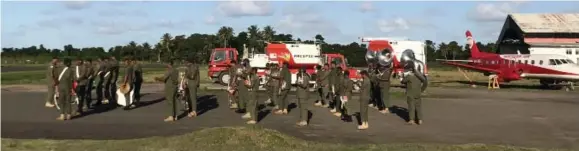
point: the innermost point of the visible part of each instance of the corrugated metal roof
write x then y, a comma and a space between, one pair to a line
547, 23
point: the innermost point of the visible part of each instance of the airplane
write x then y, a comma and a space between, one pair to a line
550, 69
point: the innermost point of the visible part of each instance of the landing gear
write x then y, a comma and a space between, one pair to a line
494, 82
554, 84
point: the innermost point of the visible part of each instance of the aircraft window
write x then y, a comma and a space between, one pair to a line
563, 60
519, 61
526, 61
552, 62
541, 62
570, 61
558, 61
569, 51
577, 51
532, 61
512, 61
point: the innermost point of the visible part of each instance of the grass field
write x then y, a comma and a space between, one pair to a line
248, 138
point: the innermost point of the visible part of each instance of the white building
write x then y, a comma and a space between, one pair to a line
541, 34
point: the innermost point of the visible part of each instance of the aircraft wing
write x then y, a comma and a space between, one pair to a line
453, 60
471, 67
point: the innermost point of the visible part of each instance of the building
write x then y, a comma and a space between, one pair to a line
541, 34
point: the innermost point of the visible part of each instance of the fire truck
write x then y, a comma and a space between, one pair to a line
296, 54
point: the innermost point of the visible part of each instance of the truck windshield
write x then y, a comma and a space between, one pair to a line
219, 56
338, 61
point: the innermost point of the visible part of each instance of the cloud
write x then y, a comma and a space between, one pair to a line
57, 23
113, 12
118, 27
366, 7
245, 8
76, 5
211, 20
493, 12
306, 21
399, 23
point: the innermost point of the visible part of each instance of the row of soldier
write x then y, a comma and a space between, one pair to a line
333, 88
68, 84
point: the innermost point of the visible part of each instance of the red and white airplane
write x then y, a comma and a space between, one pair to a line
549, 69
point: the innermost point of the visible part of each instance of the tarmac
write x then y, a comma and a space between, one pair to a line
543, 119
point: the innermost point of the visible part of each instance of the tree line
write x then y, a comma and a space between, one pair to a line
200, 45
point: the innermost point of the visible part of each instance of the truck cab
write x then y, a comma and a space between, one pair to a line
343, 63
219, 63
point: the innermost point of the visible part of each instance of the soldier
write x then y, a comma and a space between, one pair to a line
171, 80
285, 88
232, 85
302, 84
114, 69
267, 84
242, 74
108, 74
375, 90
331, 79
138, 69
64, 94
275, 82
365, 97
324, 89
383, 77
414, 88
318, 86
102, 74
337, 89
346, 88
90, 69
51, 77
252, 84
128, 81
81, 77
192, 76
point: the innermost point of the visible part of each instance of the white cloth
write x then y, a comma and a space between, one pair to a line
121, 100
56, 95
62, 73
77, 74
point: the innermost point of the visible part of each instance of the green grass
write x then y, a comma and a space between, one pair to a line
230, 138
39, 76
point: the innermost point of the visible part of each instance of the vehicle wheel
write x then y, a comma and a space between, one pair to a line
224, 78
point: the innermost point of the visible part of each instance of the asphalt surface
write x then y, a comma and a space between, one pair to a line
451, 116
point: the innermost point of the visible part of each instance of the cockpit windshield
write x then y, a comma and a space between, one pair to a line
337, 60
570, 61
564, 61
219, 56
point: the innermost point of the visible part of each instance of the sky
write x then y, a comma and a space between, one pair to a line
109, 23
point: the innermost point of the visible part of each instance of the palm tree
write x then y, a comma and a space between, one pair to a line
147, 49
254, 35
268, 33
165, 43
225, 34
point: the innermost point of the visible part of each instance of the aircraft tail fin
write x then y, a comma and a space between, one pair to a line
474, 51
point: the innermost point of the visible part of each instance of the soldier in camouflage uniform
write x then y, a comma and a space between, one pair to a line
415, 85
65, 91
88, 64
171, 80
51, 77
365, 92
252, 84
81, 77
303, 96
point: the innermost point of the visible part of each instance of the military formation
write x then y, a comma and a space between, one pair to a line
333, 88
70, 84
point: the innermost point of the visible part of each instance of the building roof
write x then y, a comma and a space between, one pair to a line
547, 23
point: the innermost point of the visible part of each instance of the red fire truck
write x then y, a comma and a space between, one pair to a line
296, 54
